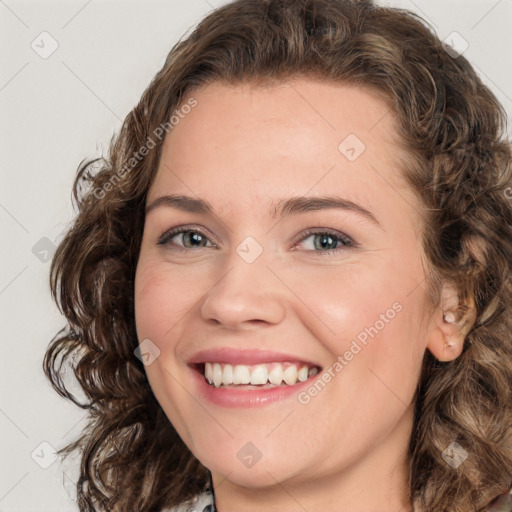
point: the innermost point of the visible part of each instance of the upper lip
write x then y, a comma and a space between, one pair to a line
247, 357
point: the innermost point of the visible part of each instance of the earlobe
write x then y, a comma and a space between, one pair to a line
451, 322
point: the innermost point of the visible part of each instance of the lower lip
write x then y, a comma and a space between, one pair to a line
245, 398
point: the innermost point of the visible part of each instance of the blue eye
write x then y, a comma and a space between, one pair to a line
190, 238
328, 241
324, 240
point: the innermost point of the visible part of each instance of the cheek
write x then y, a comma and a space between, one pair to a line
370, 315
162, 299
345, 300
163, 296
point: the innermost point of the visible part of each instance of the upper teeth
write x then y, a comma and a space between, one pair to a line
221, 374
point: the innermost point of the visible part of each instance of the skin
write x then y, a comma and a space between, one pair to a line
243, 148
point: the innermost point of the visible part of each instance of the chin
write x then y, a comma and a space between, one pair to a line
252, 467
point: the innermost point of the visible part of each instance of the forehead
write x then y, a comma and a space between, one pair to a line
248, 143
322, 112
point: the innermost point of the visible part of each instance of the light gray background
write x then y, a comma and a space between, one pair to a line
57, 111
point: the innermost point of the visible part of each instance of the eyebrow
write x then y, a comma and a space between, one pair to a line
284, 207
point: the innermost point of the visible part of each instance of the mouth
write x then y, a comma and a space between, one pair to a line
257, 376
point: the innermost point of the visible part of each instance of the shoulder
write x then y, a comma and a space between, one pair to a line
502, 503
201, 503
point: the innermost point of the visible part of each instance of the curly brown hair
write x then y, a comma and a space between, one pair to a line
459, 164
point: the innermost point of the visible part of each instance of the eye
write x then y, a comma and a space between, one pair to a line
190, 238
327, 240
323, 240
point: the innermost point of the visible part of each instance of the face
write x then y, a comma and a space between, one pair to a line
303, 268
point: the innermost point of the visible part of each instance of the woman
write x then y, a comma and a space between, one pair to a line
288, 284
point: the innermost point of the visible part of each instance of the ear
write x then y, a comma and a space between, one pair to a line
451, 322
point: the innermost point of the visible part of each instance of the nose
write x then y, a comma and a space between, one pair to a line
247, 295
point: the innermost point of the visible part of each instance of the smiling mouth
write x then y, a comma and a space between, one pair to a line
264, 375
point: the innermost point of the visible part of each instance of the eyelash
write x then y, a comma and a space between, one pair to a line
345, 240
